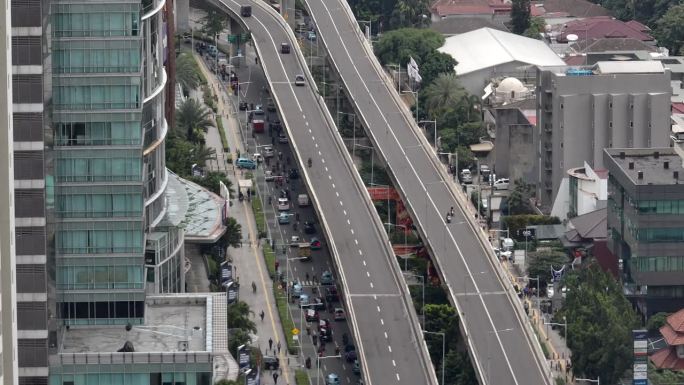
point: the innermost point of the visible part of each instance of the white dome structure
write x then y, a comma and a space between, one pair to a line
510, 89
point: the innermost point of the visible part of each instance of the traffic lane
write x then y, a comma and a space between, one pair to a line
471, 248
381, 354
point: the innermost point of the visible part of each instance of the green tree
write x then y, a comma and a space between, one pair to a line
179, 155
238, 317
214, 22
520, 16
396, 47
192, 119
212, 179
519, 200
537, 26
656, 322
435, 64
540, 263
444, 96
237, 337
411, 13
458, 369
233, 233
600, 322
187, 72
670, 30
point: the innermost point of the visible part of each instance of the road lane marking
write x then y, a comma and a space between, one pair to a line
341, 204
382, 321
316, 144
397, 376
371, 285
329, 177
307, 123
348, 222
326, 168
352, 231
367, 274
389, 347
356, 241
338, 194
378, 309
385, 335
345, 212
364, 262
333, 185
319, 152
360, 252
394, 363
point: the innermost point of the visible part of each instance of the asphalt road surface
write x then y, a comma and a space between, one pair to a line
390, 346
505, 353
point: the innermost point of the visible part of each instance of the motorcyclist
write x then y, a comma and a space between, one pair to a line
309, 162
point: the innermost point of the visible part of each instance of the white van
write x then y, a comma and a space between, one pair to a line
283, 204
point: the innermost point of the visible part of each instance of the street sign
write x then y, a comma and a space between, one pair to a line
640, 382
640, 367
295, 331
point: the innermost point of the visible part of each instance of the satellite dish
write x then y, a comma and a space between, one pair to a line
572, 37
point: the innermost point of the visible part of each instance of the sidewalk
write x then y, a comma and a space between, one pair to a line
248, 259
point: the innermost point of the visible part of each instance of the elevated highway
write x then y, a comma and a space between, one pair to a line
386, 329
502, 344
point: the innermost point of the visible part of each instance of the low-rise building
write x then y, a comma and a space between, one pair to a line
646, 225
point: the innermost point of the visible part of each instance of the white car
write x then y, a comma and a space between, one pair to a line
268, 175
283, 204
268, 152
257, 158
501, 184
299, 80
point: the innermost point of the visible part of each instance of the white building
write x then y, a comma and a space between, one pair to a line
488, 53
585, 190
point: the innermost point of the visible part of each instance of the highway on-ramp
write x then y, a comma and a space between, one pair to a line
500, 337
383, 321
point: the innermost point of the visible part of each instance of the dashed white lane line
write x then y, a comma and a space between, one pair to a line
307, 123
316, 145
378, 307
356, 241
371, 285
309, 130
389, 347
341, 204
348, 222
329, 177
313, 138
385, 335
368, 274
338, 194
394, 363
323, 161
382, 321
333, 185
397, 376
345, 212
326, 168
319, 151
360, 252
364, 262
352, 231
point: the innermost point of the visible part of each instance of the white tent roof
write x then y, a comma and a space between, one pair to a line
486, 47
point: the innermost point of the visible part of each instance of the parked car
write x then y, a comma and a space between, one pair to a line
466, 176
501, 184
311, 35
282, 138
315, 244
485, 172
340, 315
309, 228
271, 363
327, 278
356, 368
300, 80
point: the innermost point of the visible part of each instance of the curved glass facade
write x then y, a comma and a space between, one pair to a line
108, 99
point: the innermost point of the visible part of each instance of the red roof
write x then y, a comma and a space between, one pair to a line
604, 27
667, 359
673, 330
469, 7
575, 60
678, 108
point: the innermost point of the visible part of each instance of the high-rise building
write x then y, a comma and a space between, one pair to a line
646, 225
8, 321
582, 110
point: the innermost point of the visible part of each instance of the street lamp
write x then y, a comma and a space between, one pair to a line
405, 244
318, 365
399, 71
434, 122
368, 31
372, 157
443, 344
353, 130
415, 94
422, 284
564, 324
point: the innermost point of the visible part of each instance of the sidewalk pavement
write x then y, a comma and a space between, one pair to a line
248, 260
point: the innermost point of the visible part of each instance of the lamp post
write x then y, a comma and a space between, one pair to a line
399, 71
415, 94
434, 122
489, 356
564, 324
369, 30
405, 244
372, 158
422, 284
353, 130
318, 366
597, 380
443, 345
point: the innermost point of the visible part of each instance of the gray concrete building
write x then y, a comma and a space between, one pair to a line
646, 224
583, 110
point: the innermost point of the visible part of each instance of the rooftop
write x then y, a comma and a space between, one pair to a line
646, 166
604, 27
457, 25
197, 210
173, 323
616, 45
575, 8
608, 68
487, 47
444, 8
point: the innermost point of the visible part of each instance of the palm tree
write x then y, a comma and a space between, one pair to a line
444, 93
201, 154
190, 117
186, 72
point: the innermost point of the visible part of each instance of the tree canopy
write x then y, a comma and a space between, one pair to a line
540, 262
397, 46
392, 14
600, 323
670, 30
520, 16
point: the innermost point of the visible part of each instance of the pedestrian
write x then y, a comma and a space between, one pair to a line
314, 338
277, 264
297, 217
275, 377
278, 346
307, 276
270, 343
262, 315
